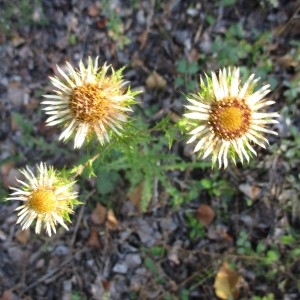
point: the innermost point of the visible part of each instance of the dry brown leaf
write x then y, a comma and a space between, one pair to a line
174, 117
155, 81
101, 23
205, 214
7, 295
142, 38
227, 283
218, 233
93, 10
11, 178
136, 61
287, 61
2, 37
193, 55
93, 239
23, 236
6, 167
111, 222
251, 191
17, 40
106, 285
99, 214
135, 196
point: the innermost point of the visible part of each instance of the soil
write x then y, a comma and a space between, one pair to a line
122, 253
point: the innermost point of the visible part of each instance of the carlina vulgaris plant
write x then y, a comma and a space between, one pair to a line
89, 101
86, 101
226, 118
48, 198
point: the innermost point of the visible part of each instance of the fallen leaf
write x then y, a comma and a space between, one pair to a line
17, 40
101, 23
155, 81
93, 239
106, 285
23, 236
142, 38
174, 117
111, 222
135, 196
218, 233
205, 214
7, 295
2, 38
136, 62
193, 55
251, 191
227, 283
93, 10
11, 178
99, 214
287, 61
16, 93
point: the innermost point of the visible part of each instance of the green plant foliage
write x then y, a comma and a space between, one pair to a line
23, 12
266, 297
243, 243
186, 73
150, 265
106, 181
147, 159
115, 24
197, 230
271, 257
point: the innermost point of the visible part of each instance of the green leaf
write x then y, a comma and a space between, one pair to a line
157, 251
271, 257
184, 294
206, 183
260, 248
150, 265
106, 181
192, 68
287, 239
146, 193
182, 66
229, 2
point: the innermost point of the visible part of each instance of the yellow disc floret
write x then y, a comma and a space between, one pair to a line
230, 118
42, 201
88, 103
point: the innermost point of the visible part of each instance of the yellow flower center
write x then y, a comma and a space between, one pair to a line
89, 103
230, 118
42, 201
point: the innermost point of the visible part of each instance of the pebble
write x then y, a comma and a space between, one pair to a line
120, 267
133, 260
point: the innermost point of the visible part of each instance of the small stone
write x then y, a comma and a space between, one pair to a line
120, 267
16, 93
61, 250
133, 260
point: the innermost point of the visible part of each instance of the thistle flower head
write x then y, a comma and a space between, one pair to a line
89, 101
48, 197
226, 117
